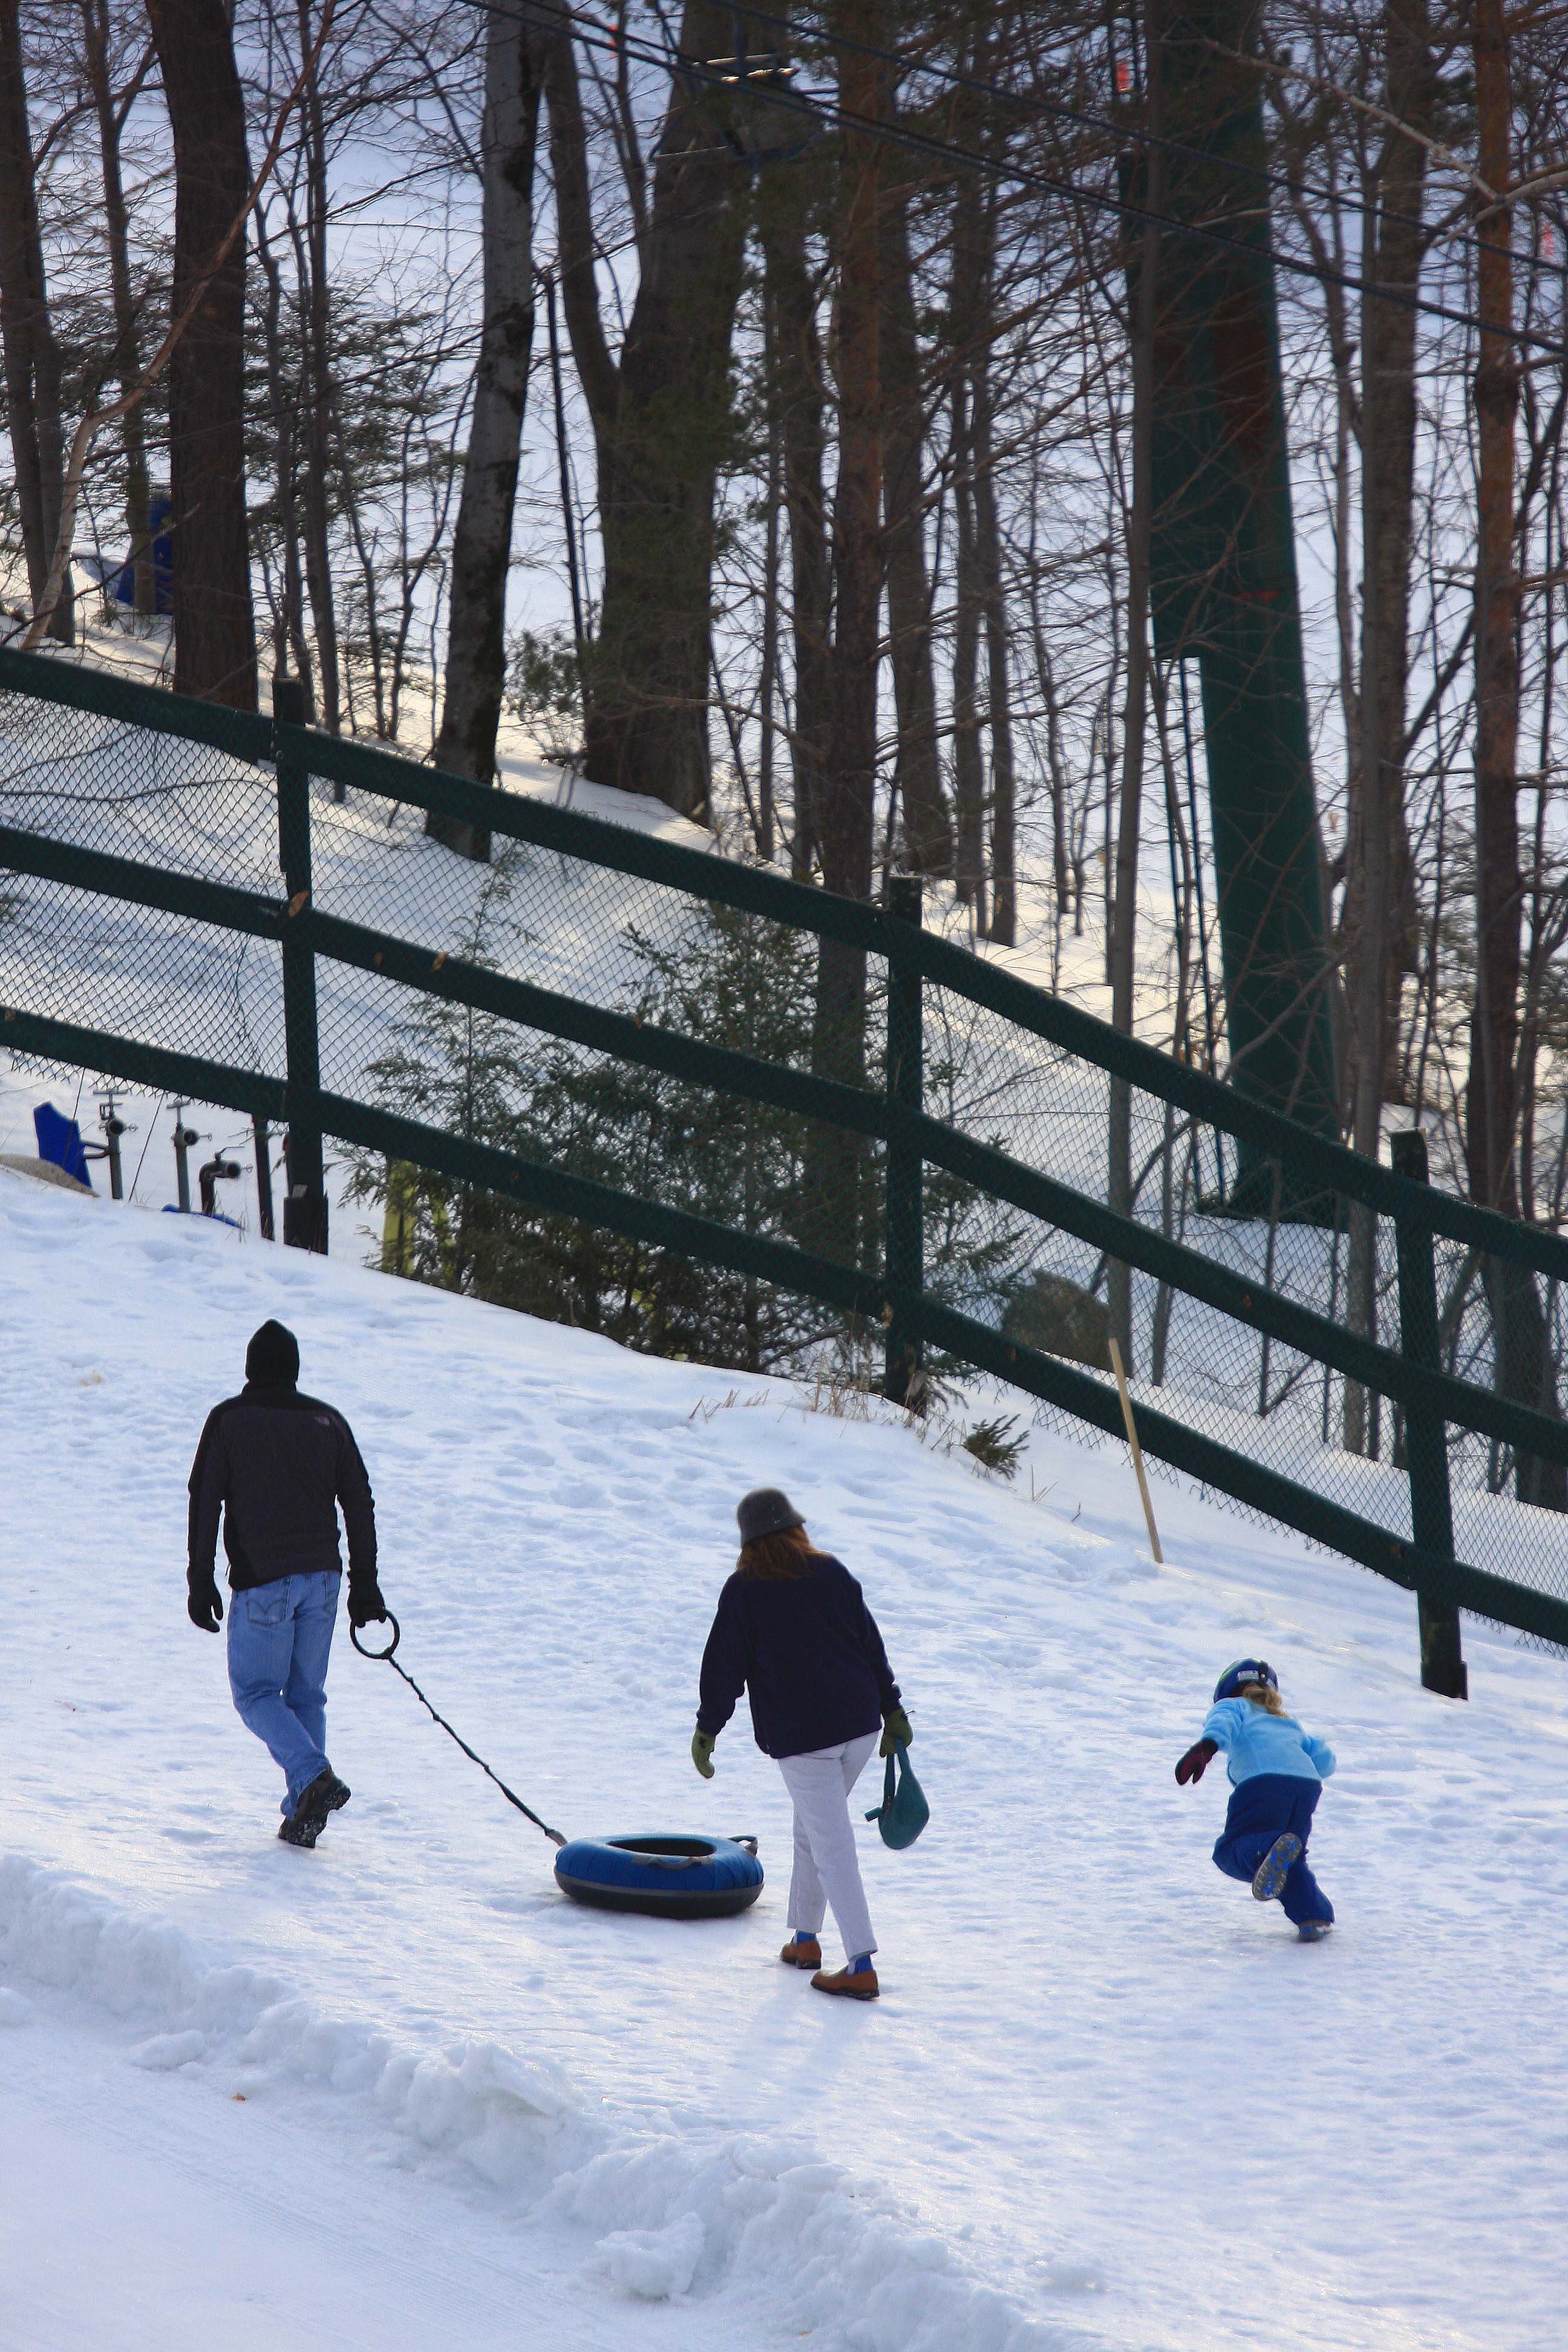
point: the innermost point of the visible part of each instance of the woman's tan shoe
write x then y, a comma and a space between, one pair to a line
801, 1952
856, 1984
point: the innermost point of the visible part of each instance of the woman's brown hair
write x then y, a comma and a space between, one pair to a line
1263, 1695
774, 1560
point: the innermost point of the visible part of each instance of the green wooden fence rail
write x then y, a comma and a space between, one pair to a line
1414, 1382
704, 874
1411, 1376
1438, 1577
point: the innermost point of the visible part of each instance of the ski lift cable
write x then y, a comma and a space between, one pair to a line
1260, 173
1087, 119
151, 1124
827, 111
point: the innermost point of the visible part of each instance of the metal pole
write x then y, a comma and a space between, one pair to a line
904, 1247
114, 1128
305, 1205
263, 1135
1426, 1441
184, 1137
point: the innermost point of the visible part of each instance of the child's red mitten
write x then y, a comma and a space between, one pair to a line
1195, 1763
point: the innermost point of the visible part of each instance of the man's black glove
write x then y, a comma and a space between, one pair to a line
205, 1608
366, 1606
1196, 1760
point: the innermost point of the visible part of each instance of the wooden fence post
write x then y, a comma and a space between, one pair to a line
305, 1200
1426, 1439
904, 1235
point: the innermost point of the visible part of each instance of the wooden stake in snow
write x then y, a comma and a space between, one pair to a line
1137, 1451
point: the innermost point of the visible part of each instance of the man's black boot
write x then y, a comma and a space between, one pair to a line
326, 1794
297, 1831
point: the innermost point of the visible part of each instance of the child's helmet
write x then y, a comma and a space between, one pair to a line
1246, 1670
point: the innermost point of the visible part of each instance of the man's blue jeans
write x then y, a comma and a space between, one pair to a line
279, 1639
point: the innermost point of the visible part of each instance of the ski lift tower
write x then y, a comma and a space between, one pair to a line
766, 120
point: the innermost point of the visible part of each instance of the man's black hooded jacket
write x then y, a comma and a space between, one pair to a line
279, 1465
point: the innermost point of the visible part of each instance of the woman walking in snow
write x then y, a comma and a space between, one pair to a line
1278, 1771
793, 1629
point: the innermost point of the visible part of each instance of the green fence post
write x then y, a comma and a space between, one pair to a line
305, 1198
904, 1242
1426, 1443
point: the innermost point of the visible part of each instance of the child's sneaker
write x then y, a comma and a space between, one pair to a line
1312, 1931
1275, 1867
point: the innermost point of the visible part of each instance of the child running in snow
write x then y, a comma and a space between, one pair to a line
1277, 1771
792, 1629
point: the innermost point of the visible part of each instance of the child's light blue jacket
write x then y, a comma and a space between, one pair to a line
1256, 1741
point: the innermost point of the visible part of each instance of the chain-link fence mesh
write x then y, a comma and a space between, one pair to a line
680, 963
1051, 1109
628, 945
161, 979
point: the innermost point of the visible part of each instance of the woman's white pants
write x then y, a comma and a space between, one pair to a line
826, 1868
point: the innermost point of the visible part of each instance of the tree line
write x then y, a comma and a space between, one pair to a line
751, 402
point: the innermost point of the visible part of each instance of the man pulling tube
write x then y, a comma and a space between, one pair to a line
279, 1465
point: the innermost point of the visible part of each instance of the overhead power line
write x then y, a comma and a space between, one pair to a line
1086, 119
825, 109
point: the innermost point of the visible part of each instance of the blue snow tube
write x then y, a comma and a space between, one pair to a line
673, 1877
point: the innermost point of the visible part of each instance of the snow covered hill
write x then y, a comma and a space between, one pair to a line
397, 2093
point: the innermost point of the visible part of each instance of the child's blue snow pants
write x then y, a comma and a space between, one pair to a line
1261, 1809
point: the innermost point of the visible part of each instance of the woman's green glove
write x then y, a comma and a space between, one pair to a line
703, 1753
896, 1732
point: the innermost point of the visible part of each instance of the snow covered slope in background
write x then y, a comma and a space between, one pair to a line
398, 2093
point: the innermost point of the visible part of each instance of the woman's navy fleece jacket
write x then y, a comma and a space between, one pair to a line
808, 1650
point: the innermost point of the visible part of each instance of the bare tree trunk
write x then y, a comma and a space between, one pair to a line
1056, 766
214, 626
111, 114
481, 547
927, 832
1140, 519
1004, 794
1498, 891
796, 394
1389, 413
847, 812
767, 683
1378, 899
1523, 1366
846, 821
661, 420
319, 389
968, 769
965, 312
32, 357
284, 400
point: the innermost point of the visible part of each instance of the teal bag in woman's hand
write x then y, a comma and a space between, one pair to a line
903, 1811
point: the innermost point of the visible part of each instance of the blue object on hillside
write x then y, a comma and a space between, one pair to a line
159, 509
903, 1811
673, 1877
59, 1142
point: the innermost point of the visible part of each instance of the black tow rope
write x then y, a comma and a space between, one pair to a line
512, 1799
